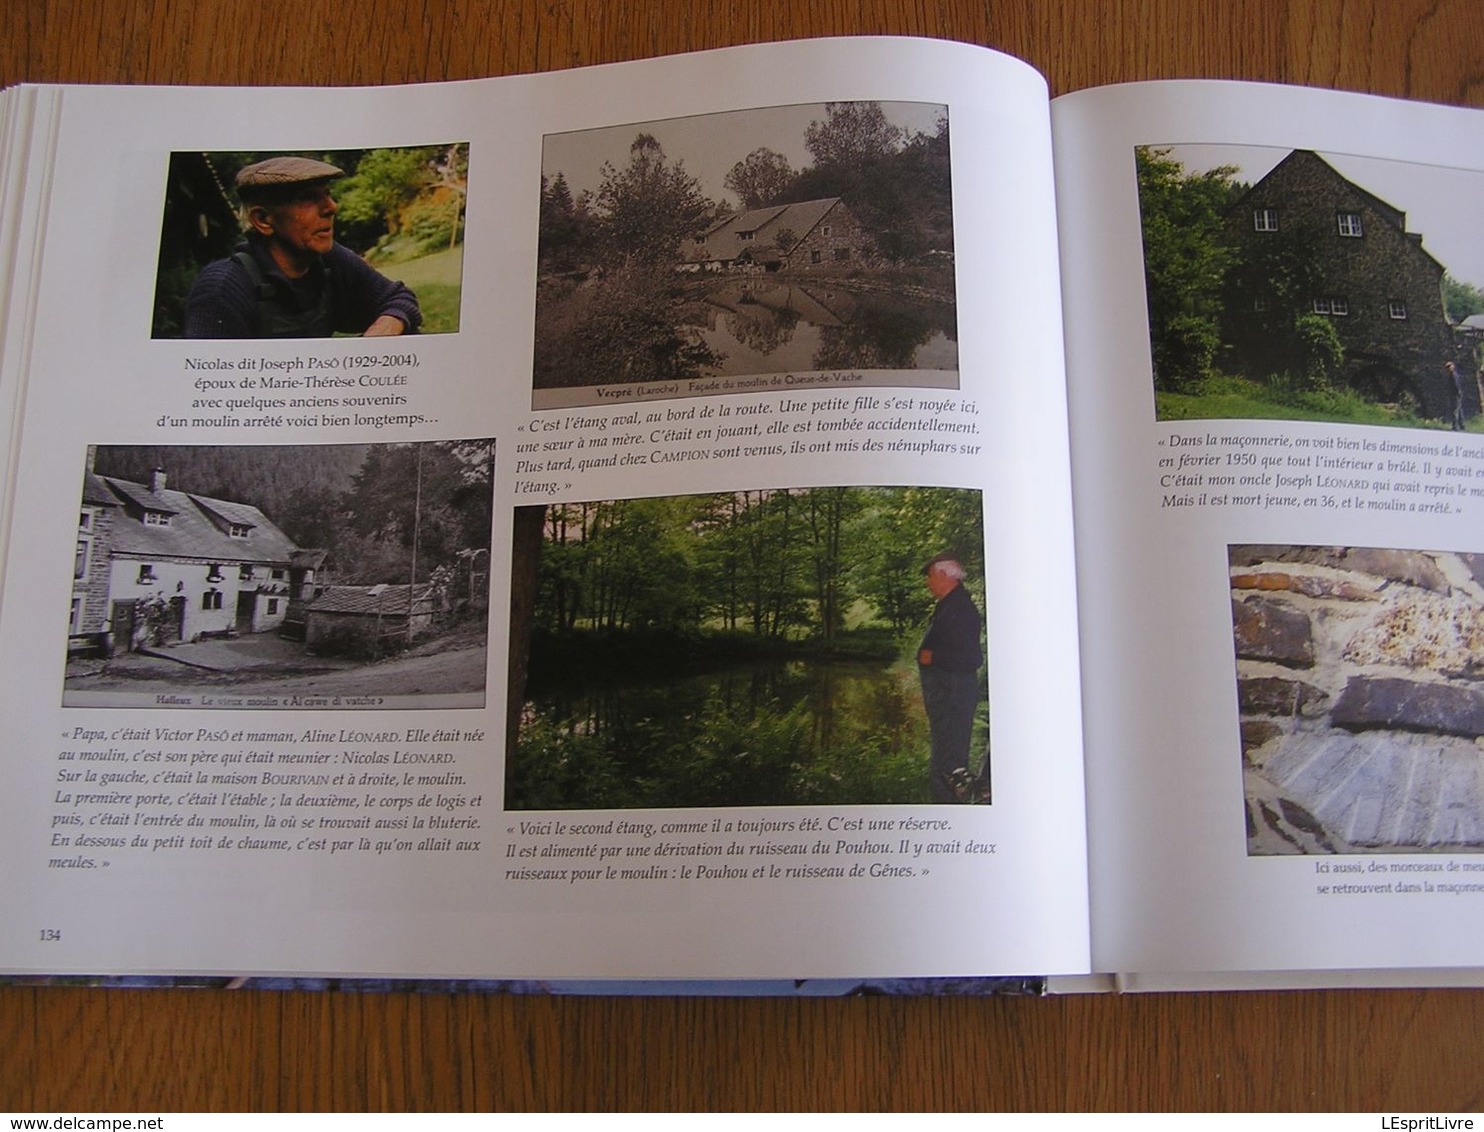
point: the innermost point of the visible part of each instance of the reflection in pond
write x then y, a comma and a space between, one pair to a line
785, 733
764, 325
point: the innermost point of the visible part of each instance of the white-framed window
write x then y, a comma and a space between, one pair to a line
825, 230
1264, 219
239, 530
745, 236
1332, 304
156, 519
1349, 224
211, 599
1397, 309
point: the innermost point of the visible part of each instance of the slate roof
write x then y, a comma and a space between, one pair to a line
389, 599
722, 241
197, 529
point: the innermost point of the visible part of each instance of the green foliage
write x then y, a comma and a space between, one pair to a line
1461, 299
1317, 352
1186, 260
383, 182
778, 565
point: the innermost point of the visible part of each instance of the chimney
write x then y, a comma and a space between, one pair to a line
157, 481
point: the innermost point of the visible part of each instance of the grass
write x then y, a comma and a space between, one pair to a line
438, 280
1223, 398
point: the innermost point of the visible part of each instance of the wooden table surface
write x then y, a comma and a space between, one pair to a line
71, 1049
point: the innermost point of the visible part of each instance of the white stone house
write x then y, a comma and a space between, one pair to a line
156, 566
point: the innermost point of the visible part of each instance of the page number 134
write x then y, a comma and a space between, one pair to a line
51, 935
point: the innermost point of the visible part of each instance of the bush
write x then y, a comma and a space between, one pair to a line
1184, 354
359, 641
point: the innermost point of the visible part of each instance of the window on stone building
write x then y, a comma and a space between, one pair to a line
80, 563
814, 257
842, 253
272, 606
1349, 223
156, 519
146, 574
74, 625
1397, 309
744, 236
211, 599
1264, 219
1332, 304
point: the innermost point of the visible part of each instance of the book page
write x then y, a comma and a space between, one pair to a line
691, 596
1276, 416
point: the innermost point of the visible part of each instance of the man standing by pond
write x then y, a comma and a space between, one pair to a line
289, 278
948, 663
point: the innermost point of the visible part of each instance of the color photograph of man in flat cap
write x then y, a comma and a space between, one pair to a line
365, 242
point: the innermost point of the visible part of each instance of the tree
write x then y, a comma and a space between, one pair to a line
851, 133
384, 182
760, 178
565, 227
1461, 299
647, 207
1186, 257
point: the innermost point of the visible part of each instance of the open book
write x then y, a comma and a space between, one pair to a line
811, 511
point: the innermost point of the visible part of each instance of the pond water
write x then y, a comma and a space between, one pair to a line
785, 733
761, 325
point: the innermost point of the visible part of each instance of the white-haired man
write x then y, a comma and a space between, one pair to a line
948, 661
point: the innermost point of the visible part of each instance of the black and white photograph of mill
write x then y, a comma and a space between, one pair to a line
782, 247
331, 576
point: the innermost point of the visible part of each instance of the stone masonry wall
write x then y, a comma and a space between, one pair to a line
1360, 684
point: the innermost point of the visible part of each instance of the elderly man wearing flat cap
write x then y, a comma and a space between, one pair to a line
289, 278
948, 661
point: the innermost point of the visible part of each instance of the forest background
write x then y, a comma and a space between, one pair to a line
740, 648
